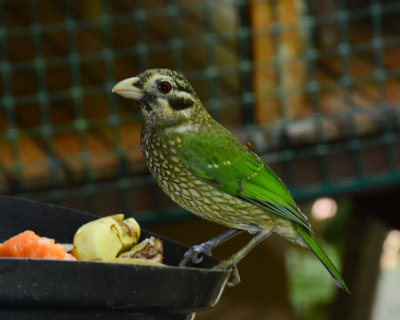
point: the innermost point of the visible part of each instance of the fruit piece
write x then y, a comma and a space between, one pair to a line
104, 238
29, 245
136, 261
150, 249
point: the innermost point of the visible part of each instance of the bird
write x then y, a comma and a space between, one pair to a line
205, 169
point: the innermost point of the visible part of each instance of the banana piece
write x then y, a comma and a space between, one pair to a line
136, 261
103, 239
150, 249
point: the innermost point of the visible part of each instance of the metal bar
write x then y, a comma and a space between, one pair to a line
347, 82
142, 48
114, 119
245, 62
314, 96
211, 71
381, 79
80, 123
175, 41
11, 135
40, 68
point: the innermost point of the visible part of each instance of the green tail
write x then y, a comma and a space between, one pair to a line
321, 255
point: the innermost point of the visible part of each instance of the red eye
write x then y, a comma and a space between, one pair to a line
164, 87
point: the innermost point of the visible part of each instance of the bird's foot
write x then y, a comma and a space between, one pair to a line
234, 278
232, 262
195, 254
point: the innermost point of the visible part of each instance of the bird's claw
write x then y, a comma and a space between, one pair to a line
195, 254
234, 278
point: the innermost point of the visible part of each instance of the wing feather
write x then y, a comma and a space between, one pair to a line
223, 162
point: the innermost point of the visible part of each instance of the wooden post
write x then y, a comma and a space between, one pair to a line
361, 262
276, 56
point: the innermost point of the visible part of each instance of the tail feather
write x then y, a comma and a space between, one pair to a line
322, 256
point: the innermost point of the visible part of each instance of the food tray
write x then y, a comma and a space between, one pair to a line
41, 287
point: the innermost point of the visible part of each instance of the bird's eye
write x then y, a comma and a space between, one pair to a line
164, 87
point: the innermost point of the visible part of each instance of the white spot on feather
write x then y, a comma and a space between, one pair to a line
174, 159
194, 193
185, 192
177, 170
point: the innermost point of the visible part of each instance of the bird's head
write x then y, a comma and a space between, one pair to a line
165, 97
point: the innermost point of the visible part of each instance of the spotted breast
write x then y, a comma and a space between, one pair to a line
197, 196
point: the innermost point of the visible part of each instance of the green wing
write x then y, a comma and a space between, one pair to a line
223, 162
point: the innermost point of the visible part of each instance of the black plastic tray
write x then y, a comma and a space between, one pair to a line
93, 289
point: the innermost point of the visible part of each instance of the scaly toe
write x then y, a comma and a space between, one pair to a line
223, 265
195, 254
234, 279
197, 258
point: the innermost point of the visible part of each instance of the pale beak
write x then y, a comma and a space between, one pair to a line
127, 89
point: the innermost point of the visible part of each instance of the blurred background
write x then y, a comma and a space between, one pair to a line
312, 85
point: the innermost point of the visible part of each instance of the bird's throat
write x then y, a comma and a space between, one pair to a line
146, 106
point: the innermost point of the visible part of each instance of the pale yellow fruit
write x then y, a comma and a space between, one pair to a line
136, 261
104, 238
150, 249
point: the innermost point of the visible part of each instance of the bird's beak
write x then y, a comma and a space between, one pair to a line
128, 89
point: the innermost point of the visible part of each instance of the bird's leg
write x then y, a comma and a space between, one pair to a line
195, 253
235, 258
